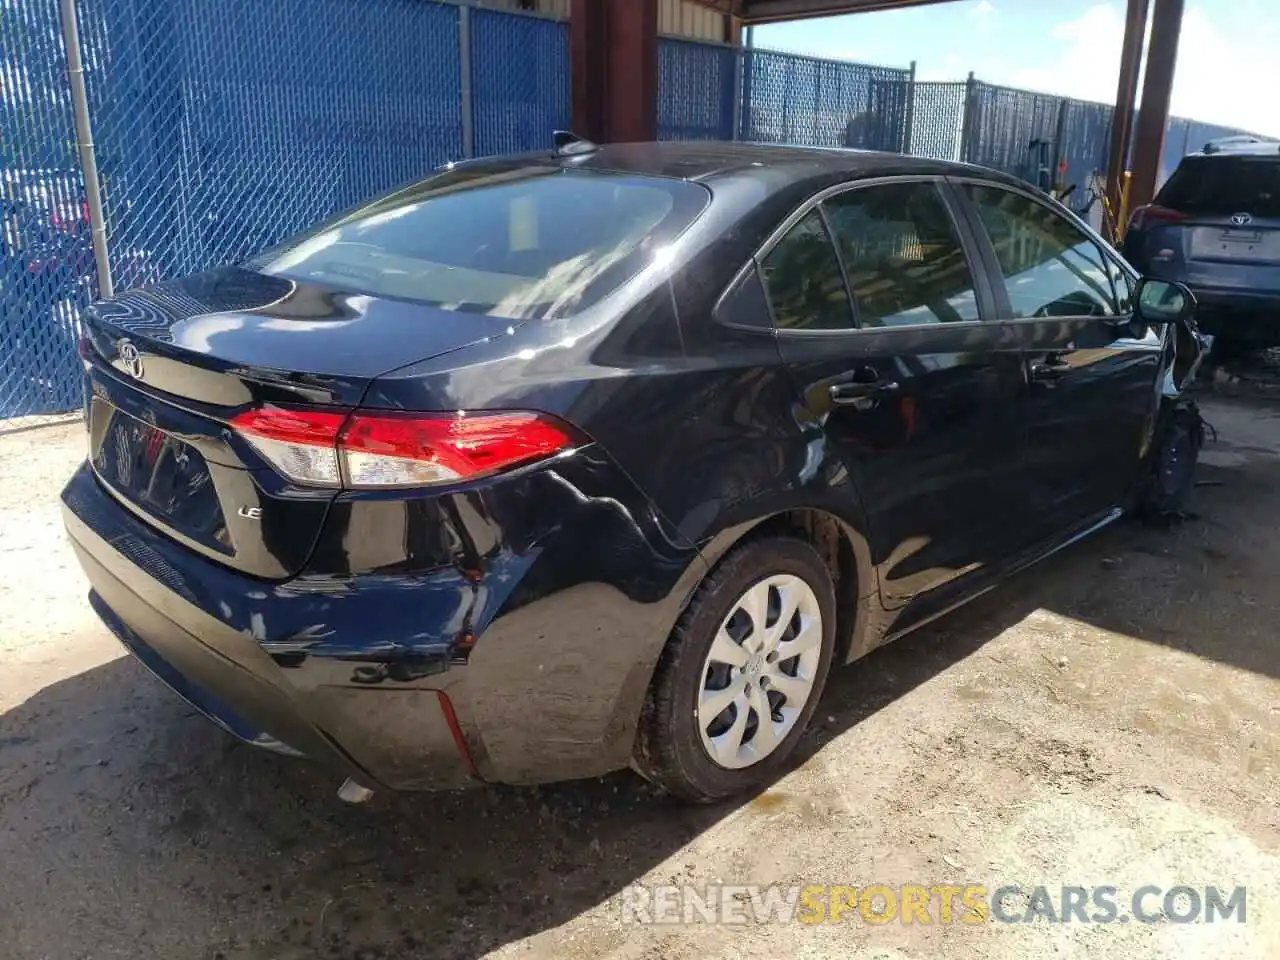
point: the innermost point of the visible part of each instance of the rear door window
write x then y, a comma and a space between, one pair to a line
804, 280
903, 256
523, 243
1221, 186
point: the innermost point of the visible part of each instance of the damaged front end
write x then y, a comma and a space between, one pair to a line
1180, 427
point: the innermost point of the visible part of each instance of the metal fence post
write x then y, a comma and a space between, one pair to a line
739, 64
743, 117
84, 137
464, 65
967, 118
1059, 142
909, 119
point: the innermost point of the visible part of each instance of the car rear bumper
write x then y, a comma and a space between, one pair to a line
363, 672
1239, 315
400, 739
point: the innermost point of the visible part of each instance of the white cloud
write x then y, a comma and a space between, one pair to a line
1088, 62
1220, 79
1227, 80
985, 8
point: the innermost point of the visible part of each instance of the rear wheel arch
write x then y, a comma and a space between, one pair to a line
843, 546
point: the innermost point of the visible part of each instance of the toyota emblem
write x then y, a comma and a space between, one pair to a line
1241, 219
130, 359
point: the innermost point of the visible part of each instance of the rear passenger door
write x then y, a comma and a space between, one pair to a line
879, 315
1093, 379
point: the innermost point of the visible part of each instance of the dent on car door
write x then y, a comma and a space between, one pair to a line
1092, 375
903, 388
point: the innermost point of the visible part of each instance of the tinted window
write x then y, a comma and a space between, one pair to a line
804, 280
1051, 268
1224, 185
519, 243
745, 304
902, 255
1123, 285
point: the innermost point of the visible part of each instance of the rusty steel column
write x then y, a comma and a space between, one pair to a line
586, 68
1135, 24
614, 63
1157, 86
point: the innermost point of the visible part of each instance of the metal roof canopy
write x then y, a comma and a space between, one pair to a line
768, 11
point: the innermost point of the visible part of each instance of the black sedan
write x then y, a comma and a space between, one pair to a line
551, 464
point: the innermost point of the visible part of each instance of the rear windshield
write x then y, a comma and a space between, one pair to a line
524, 243
1225, 185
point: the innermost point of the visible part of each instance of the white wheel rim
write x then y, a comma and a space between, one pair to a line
760, 671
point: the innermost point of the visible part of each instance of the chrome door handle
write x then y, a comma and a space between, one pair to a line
850, 392
1048, 371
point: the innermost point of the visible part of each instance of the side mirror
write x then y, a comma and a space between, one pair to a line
1163, 301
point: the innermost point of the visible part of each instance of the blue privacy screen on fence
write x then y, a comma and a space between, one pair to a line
46, 262
696, 90
1003, 124
520, 81
223, 126
216, 139
937, 120
824, 103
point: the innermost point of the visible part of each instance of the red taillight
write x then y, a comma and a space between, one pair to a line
411, 450
367, 450
1153, 214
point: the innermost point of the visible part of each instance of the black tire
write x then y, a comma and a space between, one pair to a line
669, 749
1173, 468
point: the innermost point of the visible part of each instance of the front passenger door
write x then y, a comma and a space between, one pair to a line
879, 317
1092, 402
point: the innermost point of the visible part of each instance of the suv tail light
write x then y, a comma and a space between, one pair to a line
1153, 214
366, 450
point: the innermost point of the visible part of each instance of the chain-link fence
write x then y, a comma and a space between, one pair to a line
47, 273
697, 90
519, 69
1083, 146
788, 98
223, 126
216, 139
1004, 123
937, 120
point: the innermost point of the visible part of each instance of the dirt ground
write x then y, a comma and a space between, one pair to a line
1110, 717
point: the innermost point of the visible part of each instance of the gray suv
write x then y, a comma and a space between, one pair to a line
1215, 226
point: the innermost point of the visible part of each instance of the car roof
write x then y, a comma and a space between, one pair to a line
776, 167
710, 159
1239, 146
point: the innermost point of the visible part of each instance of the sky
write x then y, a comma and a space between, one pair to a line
1228, 56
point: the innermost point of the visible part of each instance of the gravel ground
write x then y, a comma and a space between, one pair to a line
1110, 717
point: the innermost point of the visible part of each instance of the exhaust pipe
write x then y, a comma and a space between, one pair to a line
353, 793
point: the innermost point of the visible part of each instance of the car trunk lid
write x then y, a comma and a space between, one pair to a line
167, 368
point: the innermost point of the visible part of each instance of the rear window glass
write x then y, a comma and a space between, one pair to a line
1225, 185
524, 243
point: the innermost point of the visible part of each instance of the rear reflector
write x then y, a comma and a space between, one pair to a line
301, 444
371, 451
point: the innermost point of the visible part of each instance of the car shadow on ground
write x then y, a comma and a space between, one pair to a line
204, 835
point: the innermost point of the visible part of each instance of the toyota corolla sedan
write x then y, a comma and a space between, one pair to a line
553, 464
